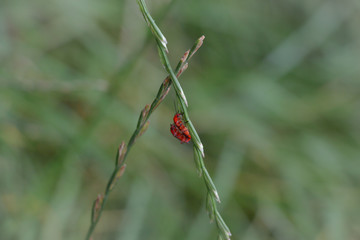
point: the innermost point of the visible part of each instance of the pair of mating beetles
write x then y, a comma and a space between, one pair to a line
179, 130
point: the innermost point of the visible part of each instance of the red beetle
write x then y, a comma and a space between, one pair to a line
178, 121
179, 134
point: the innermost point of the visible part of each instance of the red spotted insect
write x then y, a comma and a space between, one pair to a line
179, 130
179, 123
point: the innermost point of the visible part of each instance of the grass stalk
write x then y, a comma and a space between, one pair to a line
212, 194
123, 150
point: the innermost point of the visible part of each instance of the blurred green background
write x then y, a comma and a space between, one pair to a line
274, 93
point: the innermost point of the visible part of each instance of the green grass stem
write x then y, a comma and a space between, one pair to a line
212, 196
123, 150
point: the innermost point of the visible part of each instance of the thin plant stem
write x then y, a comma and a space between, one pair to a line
212, 194
123, 150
